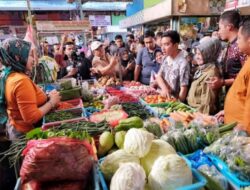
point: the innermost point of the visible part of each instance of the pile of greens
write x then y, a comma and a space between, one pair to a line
135, 109
62, 115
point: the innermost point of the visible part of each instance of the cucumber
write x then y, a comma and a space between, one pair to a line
227, 127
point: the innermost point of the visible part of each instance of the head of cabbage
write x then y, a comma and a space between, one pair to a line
169, 172
128, 176
111, 163
158, 148
138, 142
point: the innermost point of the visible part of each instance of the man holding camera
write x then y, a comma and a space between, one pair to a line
76, 64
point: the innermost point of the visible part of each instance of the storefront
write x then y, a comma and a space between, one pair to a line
178, 15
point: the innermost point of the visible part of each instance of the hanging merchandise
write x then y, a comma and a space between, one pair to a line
46, 70
182, 6
216, 6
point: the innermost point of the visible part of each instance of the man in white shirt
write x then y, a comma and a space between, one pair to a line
173, 76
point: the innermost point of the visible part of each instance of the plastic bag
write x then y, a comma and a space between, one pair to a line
56, 159
200, 161
112, 100
207, 128
239, 162
212, 172
86, 94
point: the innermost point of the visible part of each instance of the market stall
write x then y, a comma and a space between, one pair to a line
104, 130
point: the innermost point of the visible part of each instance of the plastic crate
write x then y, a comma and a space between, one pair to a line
50, 87
88, 111
223, 168
93, 184
198, 183
78, 111
76, 103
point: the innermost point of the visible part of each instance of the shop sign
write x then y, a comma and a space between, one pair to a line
100, 20
231, 4
63, 25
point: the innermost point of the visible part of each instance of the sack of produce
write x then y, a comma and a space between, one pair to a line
56, 159
55, 185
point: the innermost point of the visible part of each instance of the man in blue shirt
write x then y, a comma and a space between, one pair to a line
145, 60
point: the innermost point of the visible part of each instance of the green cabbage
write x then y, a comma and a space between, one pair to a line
169, 172
112, 161
158, 148
138, 142
129, 176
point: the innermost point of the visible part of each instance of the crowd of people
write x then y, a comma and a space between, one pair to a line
219, 63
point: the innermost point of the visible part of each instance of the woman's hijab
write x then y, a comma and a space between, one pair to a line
210, 49
14, 54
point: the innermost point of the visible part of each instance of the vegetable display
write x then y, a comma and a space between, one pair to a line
144, 142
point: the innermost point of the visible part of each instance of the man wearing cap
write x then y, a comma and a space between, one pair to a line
101, 63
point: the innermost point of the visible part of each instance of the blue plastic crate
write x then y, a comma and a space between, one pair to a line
50, 87
199, 182
223, 168
88, 111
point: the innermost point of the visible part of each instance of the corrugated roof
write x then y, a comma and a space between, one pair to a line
49, 5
